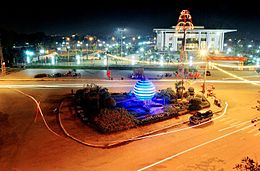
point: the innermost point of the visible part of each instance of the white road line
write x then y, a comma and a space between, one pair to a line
252, 130
193, 148
235, 123
224, 118
256, 134
233, 126
229, 121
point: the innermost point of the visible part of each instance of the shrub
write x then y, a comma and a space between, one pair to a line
112, 120
41, 75
195, 104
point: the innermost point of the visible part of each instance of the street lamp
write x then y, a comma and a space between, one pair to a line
121, 30
28, 55
68, 51
203, 54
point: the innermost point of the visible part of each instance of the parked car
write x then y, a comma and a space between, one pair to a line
42, 75
200, 117
56, 75
72, 74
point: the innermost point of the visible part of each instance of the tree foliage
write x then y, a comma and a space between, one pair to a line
247, 164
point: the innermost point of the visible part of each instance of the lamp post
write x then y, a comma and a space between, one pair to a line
68, 50
203, 54
29, 54
121, 30
87, 50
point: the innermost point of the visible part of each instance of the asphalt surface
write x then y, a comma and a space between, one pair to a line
26, 143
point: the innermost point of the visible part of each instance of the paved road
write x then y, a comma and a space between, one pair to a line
219, 145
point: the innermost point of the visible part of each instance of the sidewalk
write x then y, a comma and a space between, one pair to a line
84, 134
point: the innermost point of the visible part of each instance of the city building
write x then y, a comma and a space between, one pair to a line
196, 39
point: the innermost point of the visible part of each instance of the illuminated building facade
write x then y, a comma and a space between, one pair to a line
196, 39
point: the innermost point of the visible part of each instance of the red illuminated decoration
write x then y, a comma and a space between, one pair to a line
226, 58
184, 23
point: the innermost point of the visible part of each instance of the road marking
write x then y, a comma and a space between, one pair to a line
193, 148
39, 110
233, 126
235, 123
229, 121
224, 118
250, 131
256, 134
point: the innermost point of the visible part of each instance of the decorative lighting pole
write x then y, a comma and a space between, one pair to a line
184, 24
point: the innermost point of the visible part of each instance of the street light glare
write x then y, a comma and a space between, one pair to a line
203, 52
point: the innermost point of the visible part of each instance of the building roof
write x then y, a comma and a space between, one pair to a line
196, 29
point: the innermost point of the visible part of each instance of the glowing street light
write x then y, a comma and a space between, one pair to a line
28, 55
78, 59
161, 61
190, 60
52, 60
41, 51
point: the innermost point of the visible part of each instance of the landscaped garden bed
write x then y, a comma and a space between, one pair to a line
111, 112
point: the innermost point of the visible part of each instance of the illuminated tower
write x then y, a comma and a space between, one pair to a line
184, 24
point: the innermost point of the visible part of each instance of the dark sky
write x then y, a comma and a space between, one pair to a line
139, 16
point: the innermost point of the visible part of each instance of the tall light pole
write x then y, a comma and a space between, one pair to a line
68, 51
121, 30
184, 24
203, 54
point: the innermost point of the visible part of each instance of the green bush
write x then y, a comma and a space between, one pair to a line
195, 104
41, 75
112, 120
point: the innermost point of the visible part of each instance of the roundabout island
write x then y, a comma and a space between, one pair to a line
101, 118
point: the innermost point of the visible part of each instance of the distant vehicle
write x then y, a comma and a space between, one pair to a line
72, 74
200, 117
56, 75
138, 73
42, 75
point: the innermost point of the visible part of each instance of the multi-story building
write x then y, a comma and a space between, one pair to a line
196, 39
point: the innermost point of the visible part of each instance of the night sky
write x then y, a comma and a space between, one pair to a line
139, 16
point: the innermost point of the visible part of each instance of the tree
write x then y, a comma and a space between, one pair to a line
247, 164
